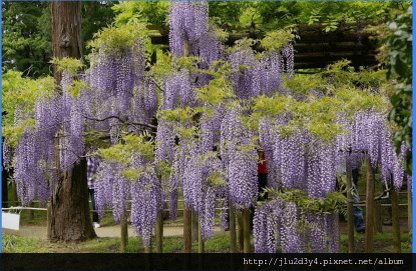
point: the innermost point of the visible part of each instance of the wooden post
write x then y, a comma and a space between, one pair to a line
124, 233
246, 227
378, 223
30, 214
48, 218
15, 197
187, 230
395, 220
148, 249
187, 214
350, 207
233, 239
194, 226
339, 233
409, 210
159, 232
240, 230
369, 216
201, 245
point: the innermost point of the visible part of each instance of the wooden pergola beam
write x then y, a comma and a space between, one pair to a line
314, 48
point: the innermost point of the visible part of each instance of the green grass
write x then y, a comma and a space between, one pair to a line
382, 242
219, 243
18, 244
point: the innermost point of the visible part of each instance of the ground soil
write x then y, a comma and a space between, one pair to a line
38, 231
106, 231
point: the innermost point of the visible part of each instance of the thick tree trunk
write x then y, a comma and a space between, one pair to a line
70, 215
66, 32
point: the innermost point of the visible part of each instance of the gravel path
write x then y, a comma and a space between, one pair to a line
106, 231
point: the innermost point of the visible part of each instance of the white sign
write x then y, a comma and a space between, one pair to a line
10, 220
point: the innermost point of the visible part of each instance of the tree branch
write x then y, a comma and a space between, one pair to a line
123, 121
90, 10
157, 85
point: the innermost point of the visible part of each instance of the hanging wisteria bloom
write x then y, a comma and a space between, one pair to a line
147, 198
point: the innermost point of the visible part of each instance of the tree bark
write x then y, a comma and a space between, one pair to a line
70, 215
66, 32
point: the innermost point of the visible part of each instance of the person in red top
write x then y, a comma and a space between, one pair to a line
262, 173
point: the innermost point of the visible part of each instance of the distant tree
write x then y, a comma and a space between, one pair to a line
26, 38
27, 41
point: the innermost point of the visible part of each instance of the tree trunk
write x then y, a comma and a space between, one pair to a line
66, 32
70, 215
